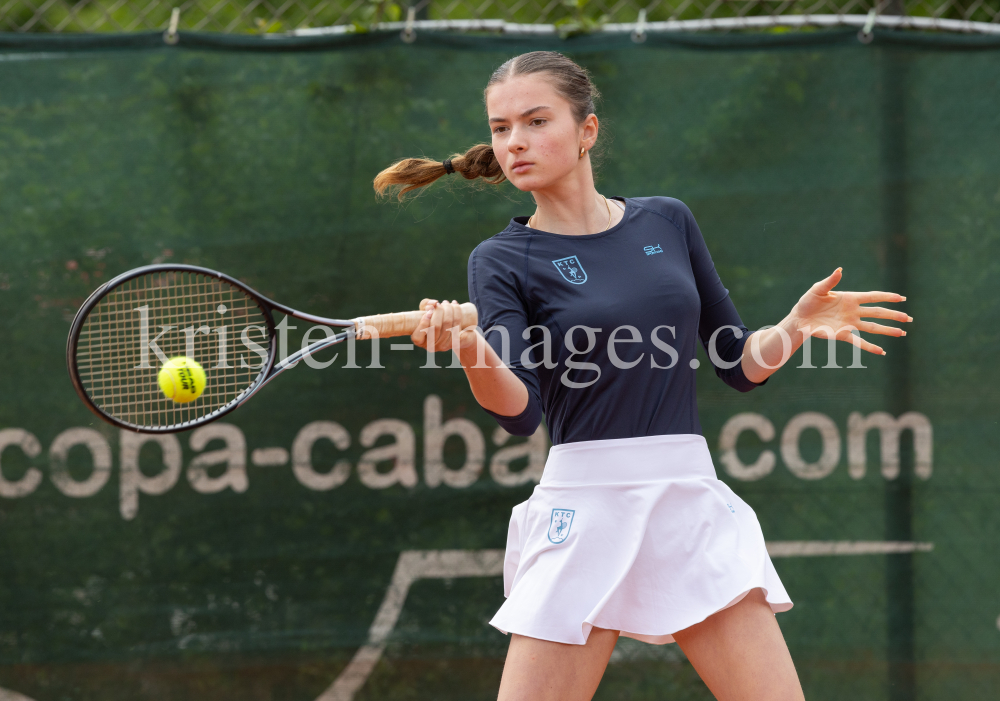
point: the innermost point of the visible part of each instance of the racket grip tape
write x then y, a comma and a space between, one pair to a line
403, 323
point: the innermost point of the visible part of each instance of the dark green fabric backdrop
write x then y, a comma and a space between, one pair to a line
797, 154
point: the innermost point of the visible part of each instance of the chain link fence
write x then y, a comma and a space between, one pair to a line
267, 16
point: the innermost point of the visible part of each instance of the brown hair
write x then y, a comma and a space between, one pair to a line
571, 82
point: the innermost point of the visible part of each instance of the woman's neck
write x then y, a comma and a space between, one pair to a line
574, 209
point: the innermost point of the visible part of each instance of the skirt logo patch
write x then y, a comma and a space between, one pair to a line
559, 525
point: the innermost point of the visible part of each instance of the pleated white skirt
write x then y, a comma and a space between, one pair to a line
631, 534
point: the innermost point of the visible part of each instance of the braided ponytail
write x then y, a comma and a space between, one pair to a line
412, 173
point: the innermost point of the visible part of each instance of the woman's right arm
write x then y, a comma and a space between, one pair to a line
496, 360
494, 385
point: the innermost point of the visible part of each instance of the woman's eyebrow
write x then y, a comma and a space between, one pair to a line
526, 113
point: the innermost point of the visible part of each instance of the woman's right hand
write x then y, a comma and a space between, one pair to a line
437, 325
493, 384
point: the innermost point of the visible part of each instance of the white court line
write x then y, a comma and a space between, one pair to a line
442, 564
411, 566
38, 55
812, 548
8, 695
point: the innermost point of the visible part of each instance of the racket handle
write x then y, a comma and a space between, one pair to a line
404, 323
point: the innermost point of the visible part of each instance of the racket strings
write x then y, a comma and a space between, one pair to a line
180, 313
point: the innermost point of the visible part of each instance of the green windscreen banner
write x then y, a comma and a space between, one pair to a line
340, 537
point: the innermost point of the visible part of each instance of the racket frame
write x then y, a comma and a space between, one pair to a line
268, 372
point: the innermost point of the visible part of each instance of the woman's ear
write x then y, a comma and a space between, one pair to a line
589, 130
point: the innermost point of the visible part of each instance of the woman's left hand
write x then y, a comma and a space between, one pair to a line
822, 310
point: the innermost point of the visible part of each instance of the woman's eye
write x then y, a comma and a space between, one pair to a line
497, 130
537, 122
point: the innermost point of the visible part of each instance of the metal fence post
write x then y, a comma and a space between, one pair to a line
898, 492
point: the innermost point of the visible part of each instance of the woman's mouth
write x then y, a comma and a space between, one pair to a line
520, 167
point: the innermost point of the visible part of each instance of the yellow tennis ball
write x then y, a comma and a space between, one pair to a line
182, 379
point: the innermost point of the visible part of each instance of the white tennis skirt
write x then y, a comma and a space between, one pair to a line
636, 535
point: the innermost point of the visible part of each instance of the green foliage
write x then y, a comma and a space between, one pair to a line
266, 27
579, 21
375, 11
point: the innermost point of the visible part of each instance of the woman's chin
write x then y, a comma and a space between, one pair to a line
527, 182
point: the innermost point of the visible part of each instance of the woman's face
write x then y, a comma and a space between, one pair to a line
535, 136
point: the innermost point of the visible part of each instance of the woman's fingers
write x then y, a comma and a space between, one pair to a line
884, 313
436, 325
828, 283
843, 333
434, 328
443, 339
861, 343
880, 313
876, 296
872, 327
419, 335
445, 315
454, 327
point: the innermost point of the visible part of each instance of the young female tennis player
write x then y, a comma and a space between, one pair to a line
596, 305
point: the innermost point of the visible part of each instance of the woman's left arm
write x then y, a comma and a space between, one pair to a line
822, 313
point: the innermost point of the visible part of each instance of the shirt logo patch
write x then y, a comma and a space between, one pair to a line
559, 525
650, 250
571, 270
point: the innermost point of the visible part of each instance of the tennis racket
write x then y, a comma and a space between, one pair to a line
130, 326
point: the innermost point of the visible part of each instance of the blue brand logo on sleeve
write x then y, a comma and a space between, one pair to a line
571, 269
650, 250
559, 525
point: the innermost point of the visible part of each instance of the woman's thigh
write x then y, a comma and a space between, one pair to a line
540, 670
741, 655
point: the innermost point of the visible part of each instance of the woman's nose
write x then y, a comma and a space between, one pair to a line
516, 142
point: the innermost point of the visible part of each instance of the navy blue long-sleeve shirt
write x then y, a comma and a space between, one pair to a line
651, 272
